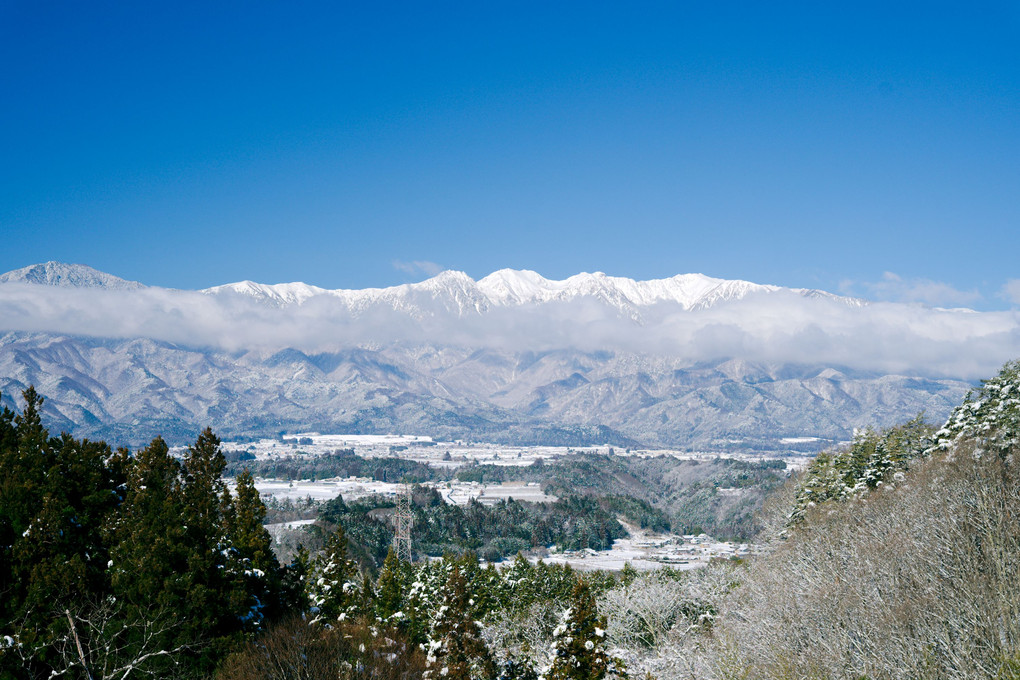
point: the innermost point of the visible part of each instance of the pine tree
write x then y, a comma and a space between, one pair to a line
579, 649
457, 650
334, 584
391, 589
259, 570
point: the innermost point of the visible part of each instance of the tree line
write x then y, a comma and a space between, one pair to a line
117, 563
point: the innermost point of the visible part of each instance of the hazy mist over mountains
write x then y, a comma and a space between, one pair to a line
688, 361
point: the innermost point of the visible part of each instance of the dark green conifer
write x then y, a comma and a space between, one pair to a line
580, 644
391, 587
25, 459
457, 651
258, 568
62, 554
149, 559
333, 586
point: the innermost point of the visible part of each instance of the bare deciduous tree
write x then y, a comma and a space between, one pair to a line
914, 580
105, 640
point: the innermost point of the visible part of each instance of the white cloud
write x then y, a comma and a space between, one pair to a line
781, 326
894, 288
1011, 291
418, 267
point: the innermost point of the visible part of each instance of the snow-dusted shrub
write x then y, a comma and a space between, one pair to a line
916, 581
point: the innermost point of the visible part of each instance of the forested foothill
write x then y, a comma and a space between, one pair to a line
342, 463
895, 556
494, 532
596, 493
661, 493
683, 492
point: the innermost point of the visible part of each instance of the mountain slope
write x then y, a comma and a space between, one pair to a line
68, 276
689, 361
131, 390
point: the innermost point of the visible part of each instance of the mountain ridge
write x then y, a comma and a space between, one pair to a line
132, 390
502, 288
509, 287
65, 275
686, 362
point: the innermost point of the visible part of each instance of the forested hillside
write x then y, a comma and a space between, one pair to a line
893, 558
116, 562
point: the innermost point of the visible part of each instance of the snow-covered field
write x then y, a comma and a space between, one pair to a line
325, 489
352, 488
645, 551
642, 550
428, 451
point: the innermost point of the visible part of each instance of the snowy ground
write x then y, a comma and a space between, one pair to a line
645, 551
281, 528
352, 488
456, 453
642, 550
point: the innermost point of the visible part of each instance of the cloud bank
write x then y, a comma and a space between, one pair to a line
776, 326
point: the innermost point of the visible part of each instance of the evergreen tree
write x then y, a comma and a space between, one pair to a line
62, 554
457, 650
149, 559
216, 604
55, 497
391, 588
579, 650
25, 459
293, 581
109, 561
203, 487
253, 547
991, 415
333, 587
871, 460
173, 557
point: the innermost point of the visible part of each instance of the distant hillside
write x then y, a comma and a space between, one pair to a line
688, 362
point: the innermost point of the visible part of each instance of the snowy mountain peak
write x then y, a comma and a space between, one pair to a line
510, 287
447, 281
67, 276
280, 293
514, 287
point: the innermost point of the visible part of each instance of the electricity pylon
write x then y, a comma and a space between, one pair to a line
403, 519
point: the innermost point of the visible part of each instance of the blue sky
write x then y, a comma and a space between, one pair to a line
861, 148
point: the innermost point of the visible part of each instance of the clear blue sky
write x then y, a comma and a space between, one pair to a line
866, 147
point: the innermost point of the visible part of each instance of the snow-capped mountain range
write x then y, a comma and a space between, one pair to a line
514, 288
688, 361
